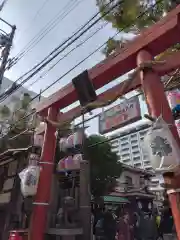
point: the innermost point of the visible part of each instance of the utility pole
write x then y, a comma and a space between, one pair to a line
6, 50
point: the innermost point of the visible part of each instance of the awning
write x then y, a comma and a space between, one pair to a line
115, 199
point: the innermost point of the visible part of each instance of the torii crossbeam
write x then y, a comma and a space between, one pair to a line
150, 43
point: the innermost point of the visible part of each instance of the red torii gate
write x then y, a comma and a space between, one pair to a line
150, 43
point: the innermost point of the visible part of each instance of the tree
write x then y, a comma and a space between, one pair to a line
124, 18
105, 167
13, 122
124, 15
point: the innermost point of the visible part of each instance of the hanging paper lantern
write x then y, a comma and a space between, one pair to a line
61, 165
78, 139
161, 146
74, 142
33, 159
29, 180
69, 163
63, 144
70, 142
38, 140
77, 159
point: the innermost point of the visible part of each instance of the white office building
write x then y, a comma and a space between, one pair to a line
129, 147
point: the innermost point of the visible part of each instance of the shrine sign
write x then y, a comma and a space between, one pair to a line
120, 115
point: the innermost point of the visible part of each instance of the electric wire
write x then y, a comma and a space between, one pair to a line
35, 17
52, 52
79, 63
40, 67
49, 27
67, 54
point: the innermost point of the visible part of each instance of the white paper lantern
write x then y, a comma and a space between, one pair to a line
29, 180
61, 165
75, 140
77, 159
38, 140
78, 138
69, 163
63, 144
161, 146
33, 159
70, 141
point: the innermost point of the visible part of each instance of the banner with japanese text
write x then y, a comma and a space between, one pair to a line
120, 115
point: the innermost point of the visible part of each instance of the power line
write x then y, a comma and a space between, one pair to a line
62, 44
128, 25
49, 27
73, 49
36, 15
56, 54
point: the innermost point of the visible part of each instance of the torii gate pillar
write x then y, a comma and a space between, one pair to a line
42, 199
158, 104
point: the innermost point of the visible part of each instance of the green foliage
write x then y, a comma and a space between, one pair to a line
18, 122
5, 112
124, 17
104, 165
125, 14
112, 45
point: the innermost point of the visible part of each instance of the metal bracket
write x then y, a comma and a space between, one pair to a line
40, 203
170, 191
48, 163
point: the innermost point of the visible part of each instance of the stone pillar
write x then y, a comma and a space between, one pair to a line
85, 199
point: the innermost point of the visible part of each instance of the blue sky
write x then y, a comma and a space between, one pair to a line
24, 15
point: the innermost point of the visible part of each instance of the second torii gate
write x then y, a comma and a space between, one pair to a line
150, 43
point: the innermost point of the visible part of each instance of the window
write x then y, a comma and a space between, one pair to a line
125, 149
128, 180
136, 153
146, 163
137, 158
126, 160
134, 137
133, 141
124, 144
114, 142
125, 155
124, 139
135, 147
138, 165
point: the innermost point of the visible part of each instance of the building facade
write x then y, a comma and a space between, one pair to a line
129, 146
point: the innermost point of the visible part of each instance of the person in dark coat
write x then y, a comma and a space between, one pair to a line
109, 225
